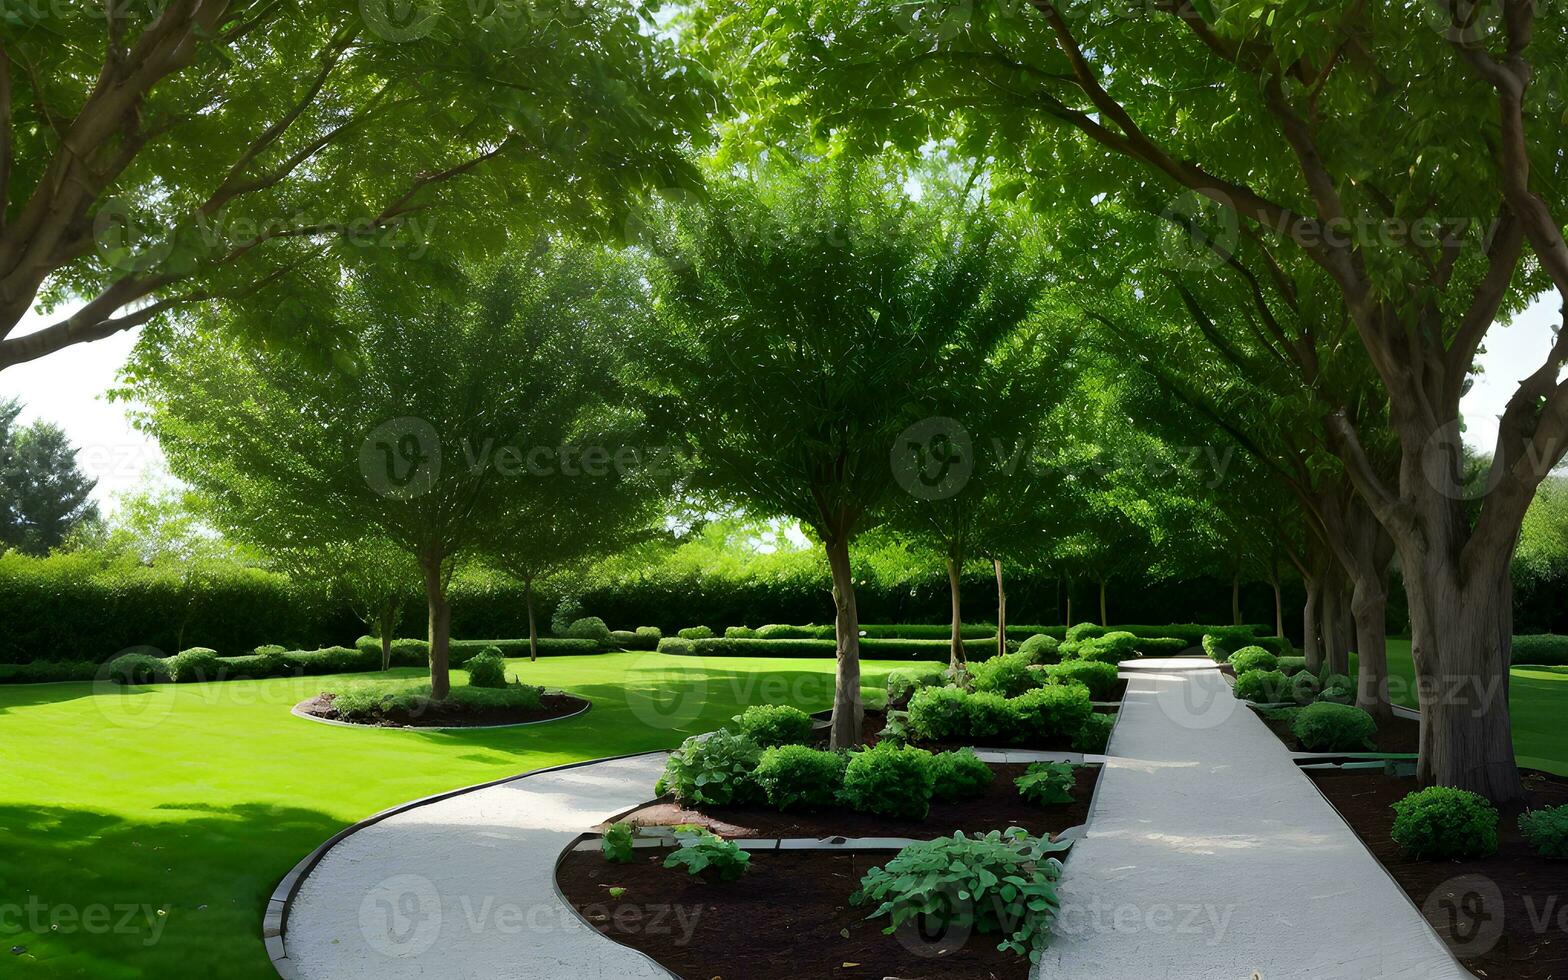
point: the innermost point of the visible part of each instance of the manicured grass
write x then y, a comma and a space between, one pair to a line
1538, 697
152, 823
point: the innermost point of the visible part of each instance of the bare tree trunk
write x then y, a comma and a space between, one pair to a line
956, 653
1056, 609
1336, 621
1279, 608
386, 642
1311, 619
1105, 617
1001, 609
440, 628
1069, 620
1235, 598
848, 712
533, 625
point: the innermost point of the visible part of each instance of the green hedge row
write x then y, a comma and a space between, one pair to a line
1545, 650
871, 648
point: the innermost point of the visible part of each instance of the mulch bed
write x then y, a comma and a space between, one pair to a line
1000, 808
441, 715
1398, 736
788, 918
1525, 934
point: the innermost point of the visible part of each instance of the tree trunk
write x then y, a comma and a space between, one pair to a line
1279, 608
1336, 643
848, 713
533, 624
1068, 622
956, 652
440, 629
1001, 609
1235, 599
1311, 620
1105, 618
1056, 608
386, 644
1369, 605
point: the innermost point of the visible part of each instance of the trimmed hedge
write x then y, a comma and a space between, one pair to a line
870, 648
1544, 649
410, 652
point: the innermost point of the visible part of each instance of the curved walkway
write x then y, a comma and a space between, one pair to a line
463, 886
1211, 856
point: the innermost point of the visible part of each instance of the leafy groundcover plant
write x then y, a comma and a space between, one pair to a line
1048, 783
715, 769
617, 843
1546, 831
701, 851
1001, 883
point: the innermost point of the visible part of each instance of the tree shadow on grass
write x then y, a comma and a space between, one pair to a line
94, 894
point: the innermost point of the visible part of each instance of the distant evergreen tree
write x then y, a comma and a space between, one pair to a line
43, 493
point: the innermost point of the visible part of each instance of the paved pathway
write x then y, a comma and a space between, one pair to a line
1210, 855
465, 887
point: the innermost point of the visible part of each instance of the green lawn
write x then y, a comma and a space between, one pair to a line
1537, 695
151, 824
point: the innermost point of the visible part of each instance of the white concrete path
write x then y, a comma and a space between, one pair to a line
465, 887
1211, 856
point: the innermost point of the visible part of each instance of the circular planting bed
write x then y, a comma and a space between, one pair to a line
454, 713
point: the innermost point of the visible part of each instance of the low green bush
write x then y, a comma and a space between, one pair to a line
1085, 631
413, 652
959, 775
486, 669
716, 769
1095, 734
1546, 831
137, 668
1291, 666
370, 702
871, 648
1162, 646
740, 633
992, 717
783, 631
266, 648
1007, 675
695, 633
49, 672
939, 714
617, 843
998, 883
1048, 783
889, 781
1253, 658
589, 628
1056, 711
1215, 648
1041, 649
1102, 680
1263, 687
677, 646
702, 851
1112, 648
903, 683
1441, 823
771, 725
796, 776
1325, 727
1544, 649
195, 664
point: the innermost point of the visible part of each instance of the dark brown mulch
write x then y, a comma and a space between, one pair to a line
442, 715
1000, 808
788, 918
1398, 736
1505, 916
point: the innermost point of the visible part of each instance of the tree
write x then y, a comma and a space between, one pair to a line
1413, 162
44, 495
803, 317
156, 156
373, 575
450, 397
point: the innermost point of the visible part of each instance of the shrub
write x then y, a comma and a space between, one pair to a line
677, 646
1263, 687
649, 634
1048, 783
794, 776
195, 664
1041, 649
1095, 734
902, 684
889, 781
740, 633
1057, 711
567, 611
48, 672
702, 850
1254, 658
695, 633
1084, 631
715, 769
779, 631
623, 639
1546, 831
1007, 675
1336, 688
1442, 822
959, 775
589, 628
617, 843
269, 648
1102, 680
939, 714
486, 669
774, 724
992, 716
1161, 646
1325, 727
896, 729
1546, 650
1215, 648
999, 883
137, 668
1291, 666
1112, 648
371, 702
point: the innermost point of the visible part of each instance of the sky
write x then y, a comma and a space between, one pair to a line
68, 387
